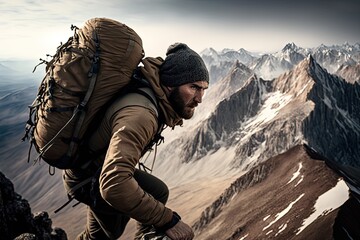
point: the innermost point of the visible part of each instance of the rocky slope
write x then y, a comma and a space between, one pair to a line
18, 222
290, 196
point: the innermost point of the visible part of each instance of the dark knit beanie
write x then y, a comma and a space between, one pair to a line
182, 65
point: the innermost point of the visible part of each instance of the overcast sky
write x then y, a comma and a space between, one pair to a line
30, 29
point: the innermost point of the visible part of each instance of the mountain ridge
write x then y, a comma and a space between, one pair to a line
293, 171
244, 120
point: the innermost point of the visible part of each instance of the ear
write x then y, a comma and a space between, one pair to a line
169, 89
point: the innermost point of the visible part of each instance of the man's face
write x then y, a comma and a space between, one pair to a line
185, 98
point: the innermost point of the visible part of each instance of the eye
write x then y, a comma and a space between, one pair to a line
195, 87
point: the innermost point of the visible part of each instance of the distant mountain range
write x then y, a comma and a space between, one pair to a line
271, 65
238, 169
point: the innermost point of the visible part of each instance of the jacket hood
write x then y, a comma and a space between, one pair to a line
150, 70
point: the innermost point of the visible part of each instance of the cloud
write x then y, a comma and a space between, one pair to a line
249, 24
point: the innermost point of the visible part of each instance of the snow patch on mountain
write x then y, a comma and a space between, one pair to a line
296, 174
272, 105
327, 202
283, 212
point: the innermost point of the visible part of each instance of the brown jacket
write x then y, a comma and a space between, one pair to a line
127, 132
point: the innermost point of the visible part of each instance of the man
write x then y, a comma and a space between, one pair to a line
121, 191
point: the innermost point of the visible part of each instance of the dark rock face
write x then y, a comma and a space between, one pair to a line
17, 221
214, 130
333, 126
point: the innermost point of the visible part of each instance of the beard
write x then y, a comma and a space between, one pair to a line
184, 109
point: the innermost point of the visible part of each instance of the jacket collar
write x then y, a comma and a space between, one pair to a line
150, 70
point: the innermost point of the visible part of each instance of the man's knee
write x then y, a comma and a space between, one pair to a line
164, 193
152, 185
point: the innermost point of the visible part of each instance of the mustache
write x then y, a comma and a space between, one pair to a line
192, 105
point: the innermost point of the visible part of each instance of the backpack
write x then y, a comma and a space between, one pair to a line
86, 72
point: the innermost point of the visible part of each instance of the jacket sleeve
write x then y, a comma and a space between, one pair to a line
132, 129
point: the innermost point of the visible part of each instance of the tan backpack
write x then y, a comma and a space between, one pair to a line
85, 73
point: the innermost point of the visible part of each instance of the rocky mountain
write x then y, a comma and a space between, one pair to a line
333, 57
262, 119
18, 222
290, 196
210, 56
219, 64
259, 121
305, 104
268, 66
336, 117
349, 72
231, 82
271, 65
292, 53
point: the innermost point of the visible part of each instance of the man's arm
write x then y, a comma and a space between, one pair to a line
133, 128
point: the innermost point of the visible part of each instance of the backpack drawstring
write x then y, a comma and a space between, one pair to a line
142, 165
160, 139
42, 61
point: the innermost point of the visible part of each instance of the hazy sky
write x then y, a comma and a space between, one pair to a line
31, 29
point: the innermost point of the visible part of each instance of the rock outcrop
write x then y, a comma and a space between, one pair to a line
18, 222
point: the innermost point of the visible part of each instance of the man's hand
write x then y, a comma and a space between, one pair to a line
181, 231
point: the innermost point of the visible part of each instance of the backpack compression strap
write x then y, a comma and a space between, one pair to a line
81, 107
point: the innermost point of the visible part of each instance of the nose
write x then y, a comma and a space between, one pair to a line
199, 95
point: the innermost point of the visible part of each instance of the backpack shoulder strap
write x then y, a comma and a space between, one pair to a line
143, 97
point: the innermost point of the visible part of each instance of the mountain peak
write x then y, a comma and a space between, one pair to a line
226, 50
311, 60
290, 47
238, 74
239, 65
314, 67
296, 81
209, 51
244, 51
309, 63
